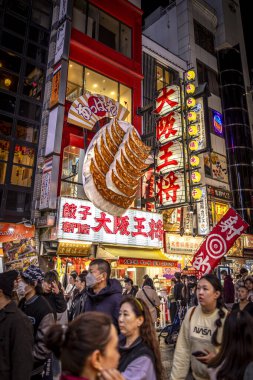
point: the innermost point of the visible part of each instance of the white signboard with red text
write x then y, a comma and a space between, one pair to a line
80, 220
219, 241
170, 185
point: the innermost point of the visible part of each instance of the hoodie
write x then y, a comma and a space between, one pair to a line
106, 301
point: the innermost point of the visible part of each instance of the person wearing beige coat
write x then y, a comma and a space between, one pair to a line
152, 299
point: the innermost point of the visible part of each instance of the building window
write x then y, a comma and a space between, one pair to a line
4, 154
33, 83
81, 79
22, 171
7, 103
18, 201
205, 74
5, 125
26, 132
164, 76
9, 61
72, 165
8, 82
204, 38
102, 27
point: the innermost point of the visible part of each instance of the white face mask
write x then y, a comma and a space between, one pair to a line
21, 289
91, 280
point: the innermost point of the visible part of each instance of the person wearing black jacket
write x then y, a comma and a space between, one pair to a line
40, 313
79, 299
130, 290
16, 338
53, 293
177, 295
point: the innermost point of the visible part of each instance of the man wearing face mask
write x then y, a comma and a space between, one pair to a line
103, 294
16, 339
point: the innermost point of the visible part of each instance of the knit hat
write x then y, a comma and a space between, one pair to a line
7, 282
33, 274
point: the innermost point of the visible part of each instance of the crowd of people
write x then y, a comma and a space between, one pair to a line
95, 330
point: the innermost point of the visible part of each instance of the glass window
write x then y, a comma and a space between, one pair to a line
7, 102
12, 42
3, 167
23, 155
126, 100
18, 201
8, 81
33, 82
40, 13
99, 84
14, 24
5, 125
126, 40
79, 15
21, 7
72, 165
29, 110
204, 38
92, 22
21, 176
108, 30
39, 36
75, 81
26, 132
165, 77
37, 53
205, 74
4, 150
9, 61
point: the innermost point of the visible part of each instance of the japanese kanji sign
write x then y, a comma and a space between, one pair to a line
169, 127
170, 157
146, 262
86, 110
219, 241
81, 220
170, 189
168, 99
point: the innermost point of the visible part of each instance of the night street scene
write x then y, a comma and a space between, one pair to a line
126, 190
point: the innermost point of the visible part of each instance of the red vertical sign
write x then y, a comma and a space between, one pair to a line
219, 241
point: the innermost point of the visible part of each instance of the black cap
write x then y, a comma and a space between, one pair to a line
7, 282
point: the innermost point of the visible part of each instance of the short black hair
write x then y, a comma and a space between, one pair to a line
224, 272
103, 266
51, 276
243, 270
129, 280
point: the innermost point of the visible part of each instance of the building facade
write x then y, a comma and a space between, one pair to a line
24, 39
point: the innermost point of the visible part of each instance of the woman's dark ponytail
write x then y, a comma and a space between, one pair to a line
55, 339
218, 322
215, 282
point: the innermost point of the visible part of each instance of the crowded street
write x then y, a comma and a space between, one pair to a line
126, 190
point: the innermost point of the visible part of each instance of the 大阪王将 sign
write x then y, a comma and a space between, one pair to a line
81, 220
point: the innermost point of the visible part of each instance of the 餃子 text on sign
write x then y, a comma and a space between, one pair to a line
219, 241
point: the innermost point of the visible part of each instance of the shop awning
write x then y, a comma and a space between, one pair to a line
112, 252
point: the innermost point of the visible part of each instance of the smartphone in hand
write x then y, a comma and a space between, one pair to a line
199, 353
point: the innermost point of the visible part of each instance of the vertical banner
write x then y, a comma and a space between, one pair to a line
219, 241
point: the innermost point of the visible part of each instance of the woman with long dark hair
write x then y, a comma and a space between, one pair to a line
87, 347
201, 331
235, 359
139, 348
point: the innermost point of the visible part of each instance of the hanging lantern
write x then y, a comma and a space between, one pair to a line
193, 145
196, 193
190, 102
190, 75
194, 161
190, 88
192, 116
196, 177
193, 130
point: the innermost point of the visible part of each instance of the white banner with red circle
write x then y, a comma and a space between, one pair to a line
219, 241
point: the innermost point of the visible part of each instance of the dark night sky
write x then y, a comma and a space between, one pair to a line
148, 6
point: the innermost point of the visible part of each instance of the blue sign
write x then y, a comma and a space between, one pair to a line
217, 123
